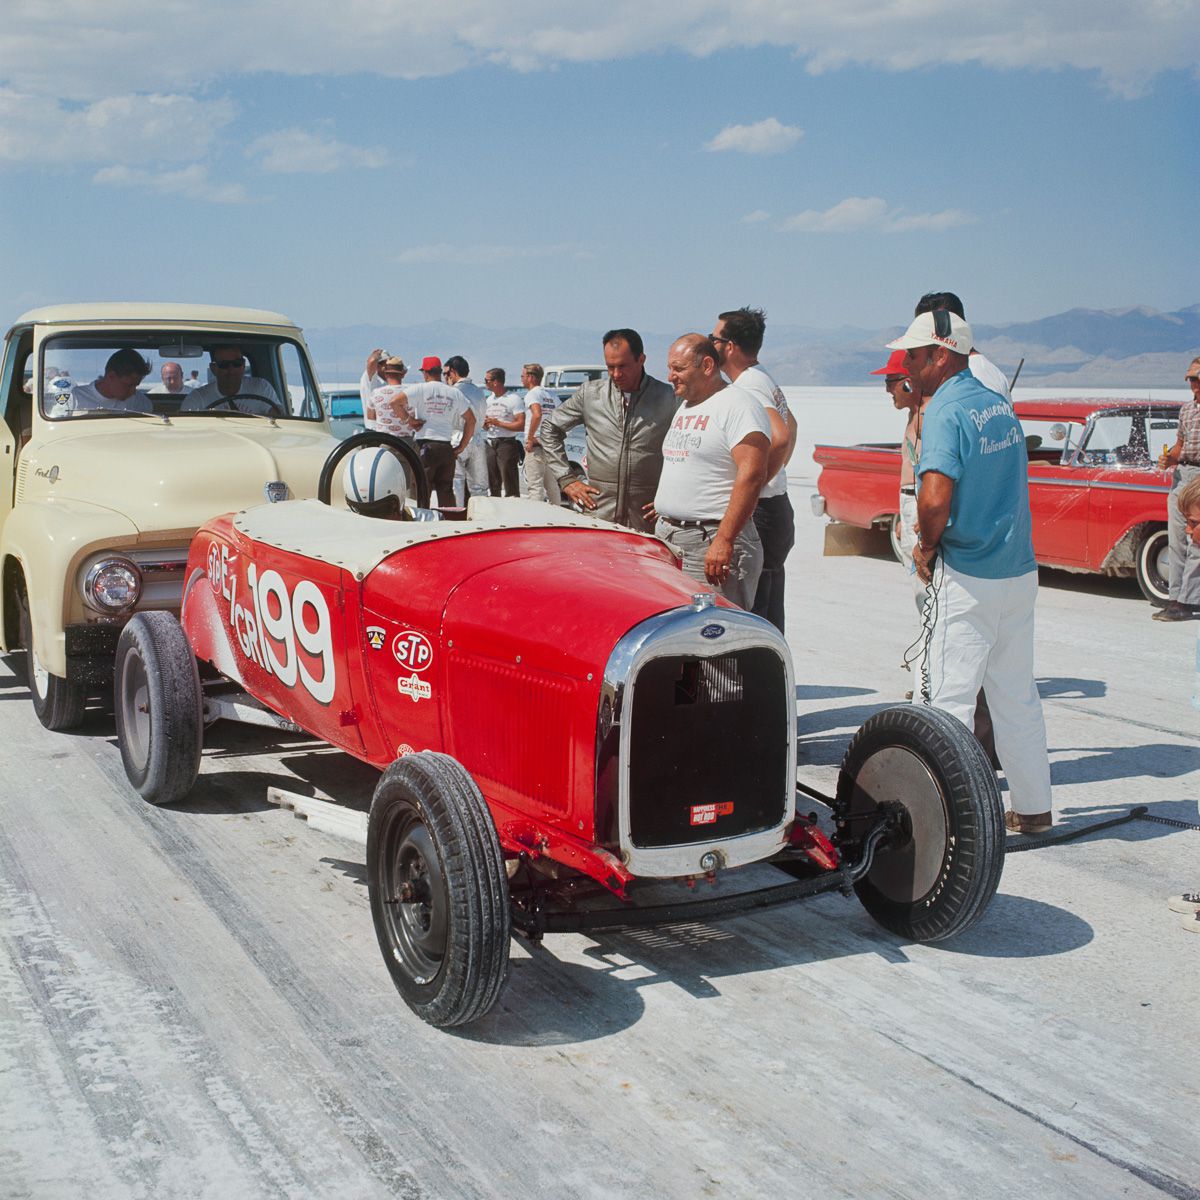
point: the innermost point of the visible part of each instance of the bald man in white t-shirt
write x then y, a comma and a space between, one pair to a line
714, 467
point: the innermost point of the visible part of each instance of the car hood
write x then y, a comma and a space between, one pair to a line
173, 476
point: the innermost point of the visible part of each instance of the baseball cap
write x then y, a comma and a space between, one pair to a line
393, 362
940, 328
895, 365
431, 362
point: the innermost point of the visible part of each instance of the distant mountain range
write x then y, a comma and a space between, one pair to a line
1125, 347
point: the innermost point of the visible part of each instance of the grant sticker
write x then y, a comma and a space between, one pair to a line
414, 686
707, 814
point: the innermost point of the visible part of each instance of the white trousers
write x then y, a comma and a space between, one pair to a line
539, 478
983, 637
908, 541
470, 472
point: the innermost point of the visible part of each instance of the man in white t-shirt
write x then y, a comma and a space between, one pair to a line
435, 410
172, 380
714, 467
232, 390
503, 424
470, 471
738, 337
539, 403
114, 391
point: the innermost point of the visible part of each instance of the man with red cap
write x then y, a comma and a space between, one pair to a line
435, 410
907, 400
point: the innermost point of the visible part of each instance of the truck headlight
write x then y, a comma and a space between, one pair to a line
112, 585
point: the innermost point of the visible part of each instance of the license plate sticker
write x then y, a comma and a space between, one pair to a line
707, 814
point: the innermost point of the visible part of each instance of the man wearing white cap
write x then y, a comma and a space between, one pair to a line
976, 550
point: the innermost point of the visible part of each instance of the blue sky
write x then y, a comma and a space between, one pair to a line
599, 165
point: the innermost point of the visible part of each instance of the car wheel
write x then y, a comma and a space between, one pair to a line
57, 702
894, 537
439, 892
936, 875
410, 460
1152, 567
159, 708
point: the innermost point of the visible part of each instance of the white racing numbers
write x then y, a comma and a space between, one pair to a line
288, 634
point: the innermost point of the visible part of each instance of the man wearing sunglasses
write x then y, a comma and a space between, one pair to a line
975, 551
229, 368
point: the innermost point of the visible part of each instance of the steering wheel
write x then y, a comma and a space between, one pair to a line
232, 402
410, 460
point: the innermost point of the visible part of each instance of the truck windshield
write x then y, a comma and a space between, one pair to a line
168, 373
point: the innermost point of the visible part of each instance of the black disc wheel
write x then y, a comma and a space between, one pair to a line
1152, 567
159, 708
938, 869
410, 460
439, 891
57, 702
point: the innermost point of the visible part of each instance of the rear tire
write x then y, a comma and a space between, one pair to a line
936, 876
159, 708
439, 891
1151, 565
57, 702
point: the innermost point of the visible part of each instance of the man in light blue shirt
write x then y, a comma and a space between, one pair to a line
975, 548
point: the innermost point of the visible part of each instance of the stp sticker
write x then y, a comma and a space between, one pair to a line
375, 637
412, 650
707, 814
712, 631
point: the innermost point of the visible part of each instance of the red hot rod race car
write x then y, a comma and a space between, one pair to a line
435, 649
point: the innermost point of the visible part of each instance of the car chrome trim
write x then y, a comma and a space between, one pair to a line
678, 631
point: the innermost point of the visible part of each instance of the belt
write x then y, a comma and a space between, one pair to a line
908, 491
433, 441
1189, 462
687, 524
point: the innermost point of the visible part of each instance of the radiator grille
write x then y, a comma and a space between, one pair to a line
708, 732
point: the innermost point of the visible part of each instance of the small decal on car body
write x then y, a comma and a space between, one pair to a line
414, 686
412, 650
375, 637
707, 814
712, 631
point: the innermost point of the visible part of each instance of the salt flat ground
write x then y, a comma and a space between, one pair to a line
193, 1004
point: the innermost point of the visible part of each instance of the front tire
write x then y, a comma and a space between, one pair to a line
939, 871
57, 702
1152, 566
439, 891
159, 708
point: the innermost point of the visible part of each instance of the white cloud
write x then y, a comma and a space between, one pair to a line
73, 49
296, 151
763, 137
488, 255
128, 128
871, 213
753, 218
192, 183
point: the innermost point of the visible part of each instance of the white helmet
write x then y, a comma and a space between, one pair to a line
374, 475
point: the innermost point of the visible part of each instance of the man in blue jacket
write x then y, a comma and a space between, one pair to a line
976, 546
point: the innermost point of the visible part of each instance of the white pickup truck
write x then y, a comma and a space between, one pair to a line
110, 473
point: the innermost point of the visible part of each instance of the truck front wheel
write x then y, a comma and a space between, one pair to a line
159, 708
57, 702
